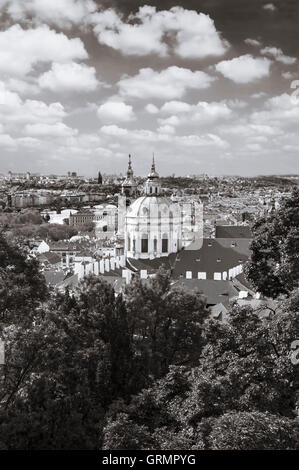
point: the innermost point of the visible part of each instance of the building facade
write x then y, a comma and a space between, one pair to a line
154, 226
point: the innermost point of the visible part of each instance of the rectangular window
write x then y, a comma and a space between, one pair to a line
164, 245
201, 275
144, 245
217, 276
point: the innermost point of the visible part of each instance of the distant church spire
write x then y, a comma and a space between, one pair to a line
152, 184
130, 170
153, 163
129, 185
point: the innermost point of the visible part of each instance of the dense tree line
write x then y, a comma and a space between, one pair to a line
274, 265
30, 224
148, 369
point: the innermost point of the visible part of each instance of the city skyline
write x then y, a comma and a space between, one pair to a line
205, 87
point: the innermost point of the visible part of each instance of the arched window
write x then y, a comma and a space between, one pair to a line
151, 189
155, 245
164, 243
144, 243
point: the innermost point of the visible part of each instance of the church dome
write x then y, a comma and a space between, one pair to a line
149, 205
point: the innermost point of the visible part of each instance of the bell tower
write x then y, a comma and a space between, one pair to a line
153, 184
129, 185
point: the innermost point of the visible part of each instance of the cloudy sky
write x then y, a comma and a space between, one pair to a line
205, 85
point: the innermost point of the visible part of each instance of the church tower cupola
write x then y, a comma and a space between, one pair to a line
153, 184
130, 173
129, 185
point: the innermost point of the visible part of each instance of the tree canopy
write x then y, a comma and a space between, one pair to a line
274, 265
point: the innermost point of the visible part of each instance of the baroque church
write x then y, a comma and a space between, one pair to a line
152, 225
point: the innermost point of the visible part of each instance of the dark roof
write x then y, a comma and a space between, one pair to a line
233, 231
242, 283
241, 245
151, 265
215, 291
212, 257
70, 281
49, 257
54, 277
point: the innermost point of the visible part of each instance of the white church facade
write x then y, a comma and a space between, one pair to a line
153, 226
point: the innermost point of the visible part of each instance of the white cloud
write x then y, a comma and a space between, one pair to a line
151, 108
193, 34
269, 7
281, 111
202, 141
113, 130
252, 42
58, 129
197, 36
23, 87
176, 107
63, 13
69, 77
170, 83
171, 121
8, 98
164, 134
258, 95
115, 111
7, 141
14, 110
245, 69
21, 49
166, 130
289, 75
29, 142
132, 39
202, 113
278, 55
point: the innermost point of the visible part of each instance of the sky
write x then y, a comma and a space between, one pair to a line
208, 86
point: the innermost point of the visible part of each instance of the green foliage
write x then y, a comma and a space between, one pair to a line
21, 283
146, 370
166, 323
244, 375
64, 370
26, 217
45, 231
249, 431
274, 265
